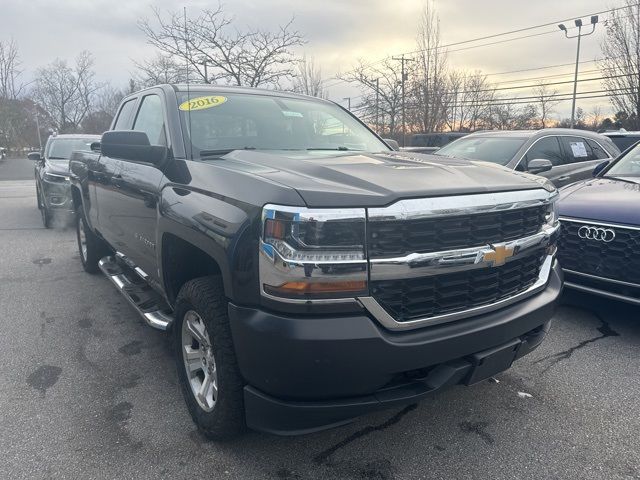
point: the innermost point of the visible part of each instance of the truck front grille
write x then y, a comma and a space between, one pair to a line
616, 260
402, 237
430, 296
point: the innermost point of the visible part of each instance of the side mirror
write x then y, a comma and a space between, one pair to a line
133, 146
95, 147
35, 156
599, 168
539, 165
392, 143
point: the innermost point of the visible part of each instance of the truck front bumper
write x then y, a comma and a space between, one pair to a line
307, 374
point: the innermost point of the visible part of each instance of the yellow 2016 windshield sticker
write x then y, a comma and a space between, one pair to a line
201, 103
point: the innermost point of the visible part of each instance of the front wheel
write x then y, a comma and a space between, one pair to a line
90, 247
44, 211
205, 358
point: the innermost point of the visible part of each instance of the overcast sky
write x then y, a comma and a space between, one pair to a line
338, 33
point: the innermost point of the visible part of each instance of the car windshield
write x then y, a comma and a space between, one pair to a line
490, 149
627, 166
624, 142
216, 124
61, 148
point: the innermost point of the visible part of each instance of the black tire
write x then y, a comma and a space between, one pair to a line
205, 296
95, 247
44, 211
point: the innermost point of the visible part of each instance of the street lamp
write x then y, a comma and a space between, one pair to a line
578, 22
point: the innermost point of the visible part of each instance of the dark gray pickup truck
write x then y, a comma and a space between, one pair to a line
307, 273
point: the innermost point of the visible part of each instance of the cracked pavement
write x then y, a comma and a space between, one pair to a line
87, 391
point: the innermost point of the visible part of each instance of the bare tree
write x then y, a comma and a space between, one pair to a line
621, 63
546, 100
103, 108
253, 58
381, 89
161, 69
429, 83
309, 78
595, 118
455, 84
474, 100
108, 99
65, 92
10, 85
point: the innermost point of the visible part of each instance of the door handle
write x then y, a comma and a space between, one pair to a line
563, 178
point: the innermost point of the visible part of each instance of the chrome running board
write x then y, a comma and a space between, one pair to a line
147, 302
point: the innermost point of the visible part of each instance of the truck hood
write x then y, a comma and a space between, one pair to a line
602, 199
374, 179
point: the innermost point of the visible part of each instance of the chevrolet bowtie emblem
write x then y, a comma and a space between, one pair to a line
497, 255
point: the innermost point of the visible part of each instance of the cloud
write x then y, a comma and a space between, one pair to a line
339, 32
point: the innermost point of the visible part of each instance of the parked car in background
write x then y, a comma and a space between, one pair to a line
307, 272
622, 138
599, 247
53, 188
430, 142
562, 155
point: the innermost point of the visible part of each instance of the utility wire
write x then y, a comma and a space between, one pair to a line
487, 37
524, 101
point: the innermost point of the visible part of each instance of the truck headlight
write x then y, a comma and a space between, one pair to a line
308, 254
551, 218
54, 178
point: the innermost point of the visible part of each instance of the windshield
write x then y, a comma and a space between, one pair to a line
61, 148
248, 121
490, 149
627, 166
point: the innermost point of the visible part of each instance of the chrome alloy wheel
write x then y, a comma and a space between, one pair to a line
199, 362
83, 239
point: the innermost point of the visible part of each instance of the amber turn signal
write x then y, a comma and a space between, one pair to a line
304, 288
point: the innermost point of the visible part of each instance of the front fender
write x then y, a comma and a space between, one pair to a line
214, 225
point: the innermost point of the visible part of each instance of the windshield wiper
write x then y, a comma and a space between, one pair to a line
58, 158
621, 179
341, 149
222, 151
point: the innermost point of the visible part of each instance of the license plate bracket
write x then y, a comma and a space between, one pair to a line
492, 361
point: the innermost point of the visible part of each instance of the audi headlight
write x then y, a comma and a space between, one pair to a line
308, 254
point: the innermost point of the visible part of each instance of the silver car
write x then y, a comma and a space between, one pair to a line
562, 155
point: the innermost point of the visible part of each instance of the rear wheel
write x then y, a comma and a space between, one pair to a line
90, 247
205, 358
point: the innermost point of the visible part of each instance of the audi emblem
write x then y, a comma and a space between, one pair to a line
600, 234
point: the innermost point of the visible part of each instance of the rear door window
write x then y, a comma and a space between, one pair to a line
547, 148
577, 149
598, 152
123, 122
150, 120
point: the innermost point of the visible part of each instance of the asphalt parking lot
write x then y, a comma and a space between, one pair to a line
88, 391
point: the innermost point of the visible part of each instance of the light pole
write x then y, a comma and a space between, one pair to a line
38, 128
578, 22
404, 77
206, 73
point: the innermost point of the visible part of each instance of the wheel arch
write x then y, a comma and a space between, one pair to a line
182, 261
